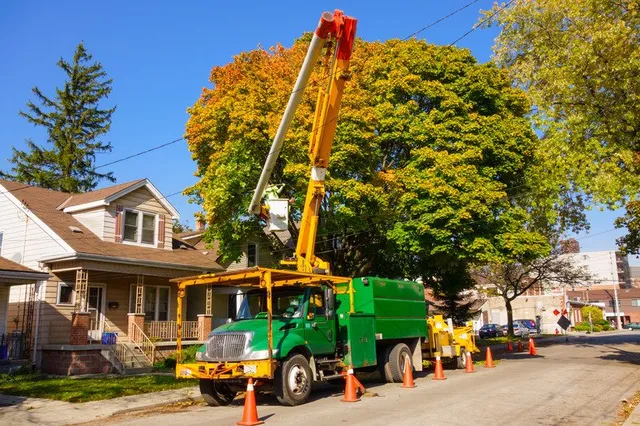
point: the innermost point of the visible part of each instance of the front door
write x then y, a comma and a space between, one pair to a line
95, 306
319, 331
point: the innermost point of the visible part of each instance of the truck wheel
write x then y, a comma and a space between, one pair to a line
216, 394
395, 360
292, 381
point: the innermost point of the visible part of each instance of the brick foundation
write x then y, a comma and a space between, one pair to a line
73, 360
137, 319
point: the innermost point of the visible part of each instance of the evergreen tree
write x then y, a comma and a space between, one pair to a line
74, 122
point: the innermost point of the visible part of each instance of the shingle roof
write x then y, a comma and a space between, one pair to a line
97, 195
9, 265
44, 202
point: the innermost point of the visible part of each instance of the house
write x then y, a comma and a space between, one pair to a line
13, 274
108, 257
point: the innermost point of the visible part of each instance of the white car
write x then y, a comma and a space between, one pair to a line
519, 330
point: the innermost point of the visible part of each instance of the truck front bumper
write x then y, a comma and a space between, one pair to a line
226, 370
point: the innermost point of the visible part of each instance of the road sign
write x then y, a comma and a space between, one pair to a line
556, 312
564, 322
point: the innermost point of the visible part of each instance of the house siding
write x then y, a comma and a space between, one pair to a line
93, 219
143, 200
265, 258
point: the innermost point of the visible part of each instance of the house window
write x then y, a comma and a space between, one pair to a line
139, 227
1, 234
155, 302
252, 255
65, 294
635, 302
612, 303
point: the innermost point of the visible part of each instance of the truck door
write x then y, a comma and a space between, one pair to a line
319, 331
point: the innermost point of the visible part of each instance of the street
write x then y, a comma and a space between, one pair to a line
579, 383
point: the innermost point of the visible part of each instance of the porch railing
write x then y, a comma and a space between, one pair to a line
143, 343
168, 330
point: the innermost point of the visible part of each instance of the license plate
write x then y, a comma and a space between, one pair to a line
250, 369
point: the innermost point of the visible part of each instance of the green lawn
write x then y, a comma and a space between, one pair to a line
86, 389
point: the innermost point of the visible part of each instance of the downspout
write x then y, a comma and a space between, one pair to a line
39, 285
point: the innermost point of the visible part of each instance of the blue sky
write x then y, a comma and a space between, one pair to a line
160, 53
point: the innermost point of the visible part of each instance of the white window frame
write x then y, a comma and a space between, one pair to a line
140, 214
635, 302
73, 295
132, 290
257, 261
1, 240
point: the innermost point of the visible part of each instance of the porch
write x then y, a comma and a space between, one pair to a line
130, 317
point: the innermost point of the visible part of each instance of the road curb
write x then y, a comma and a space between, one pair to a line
151, 406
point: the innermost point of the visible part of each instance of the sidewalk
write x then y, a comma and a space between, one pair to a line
16, 410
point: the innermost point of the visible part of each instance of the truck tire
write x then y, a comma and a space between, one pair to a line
394, 362
462, 359
292, 381
216, 394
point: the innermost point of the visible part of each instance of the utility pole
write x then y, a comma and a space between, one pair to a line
616, 311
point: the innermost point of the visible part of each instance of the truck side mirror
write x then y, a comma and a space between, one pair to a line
329, 301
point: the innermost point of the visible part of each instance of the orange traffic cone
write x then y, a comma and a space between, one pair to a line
519, 346
488, 363
350, 388
438, 374
509, 347
250, 413
532, 347
469, 364
407, 379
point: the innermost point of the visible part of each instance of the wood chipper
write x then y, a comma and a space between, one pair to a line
449, 341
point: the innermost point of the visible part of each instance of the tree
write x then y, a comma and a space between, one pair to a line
430, 155
596, 313
180, 227
74, 121
579, 62
510, 280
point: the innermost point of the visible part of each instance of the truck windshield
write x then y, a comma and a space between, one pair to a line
286, 304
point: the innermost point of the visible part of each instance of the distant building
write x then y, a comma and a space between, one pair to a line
608, 269
570, 246
635, 276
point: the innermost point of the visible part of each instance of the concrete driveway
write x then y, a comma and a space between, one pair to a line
577, 383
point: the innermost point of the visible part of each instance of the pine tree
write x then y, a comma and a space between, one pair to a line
74, 122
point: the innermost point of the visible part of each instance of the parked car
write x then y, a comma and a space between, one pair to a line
530, 324
489, 330
519, 330
632, 326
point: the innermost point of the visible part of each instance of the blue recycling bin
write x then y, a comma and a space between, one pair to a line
109, 338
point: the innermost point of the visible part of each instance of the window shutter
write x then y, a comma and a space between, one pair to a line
118, 231
161, 222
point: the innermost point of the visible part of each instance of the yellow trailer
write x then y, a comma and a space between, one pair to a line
449, 341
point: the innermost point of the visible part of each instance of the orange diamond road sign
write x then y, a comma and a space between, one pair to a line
556, 312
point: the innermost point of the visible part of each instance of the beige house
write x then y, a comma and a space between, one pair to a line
109, 255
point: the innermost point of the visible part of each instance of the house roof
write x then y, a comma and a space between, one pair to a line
97, 195
15, 273
43, 203
9, 265
105, 196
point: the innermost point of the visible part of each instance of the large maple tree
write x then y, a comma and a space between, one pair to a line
429, 159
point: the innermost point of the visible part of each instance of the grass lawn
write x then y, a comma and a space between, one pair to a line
86, 389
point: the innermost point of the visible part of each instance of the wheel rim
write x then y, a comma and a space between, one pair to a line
403, 361
297, 380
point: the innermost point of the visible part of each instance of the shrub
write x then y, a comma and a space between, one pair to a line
582, 327
169, 363
596, 313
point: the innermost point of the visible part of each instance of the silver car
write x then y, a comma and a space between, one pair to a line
519, 330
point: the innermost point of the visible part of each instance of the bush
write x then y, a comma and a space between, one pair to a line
585, 326
582, 327
169, 363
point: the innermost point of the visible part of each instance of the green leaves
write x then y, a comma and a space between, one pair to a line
73, 121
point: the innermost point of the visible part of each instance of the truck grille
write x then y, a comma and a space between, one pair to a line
226, 346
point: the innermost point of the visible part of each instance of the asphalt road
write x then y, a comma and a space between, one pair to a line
577, 383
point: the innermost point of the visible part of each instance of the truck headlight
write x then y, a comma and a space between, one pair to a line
200, 356
255, 355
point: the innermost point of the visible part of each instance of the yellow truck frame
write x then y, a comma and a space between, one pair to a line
256, 277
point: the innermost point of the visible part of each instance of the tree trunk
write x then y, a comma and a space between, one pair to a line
507, 304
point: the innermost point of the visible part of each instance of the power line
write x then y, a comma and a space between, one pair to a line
146, 151
439, 20
479, 24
